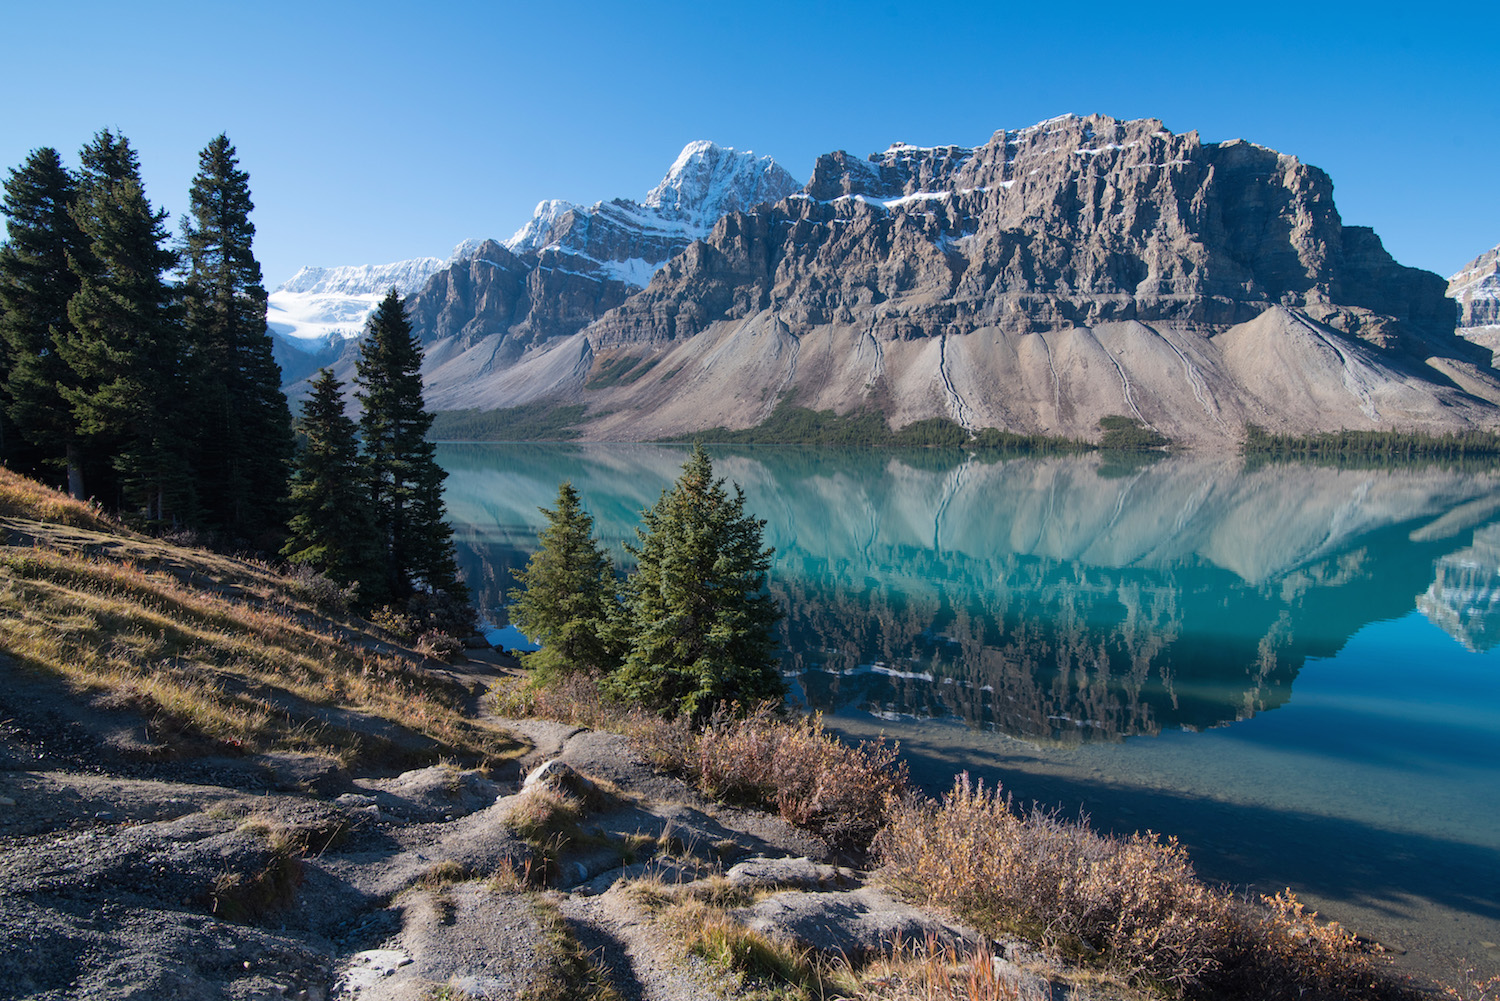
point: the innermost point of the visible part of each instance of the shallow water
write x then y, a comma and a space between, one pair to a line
1293, 668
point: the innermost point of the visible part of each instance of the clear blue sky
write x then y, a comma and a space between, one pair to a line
379, 131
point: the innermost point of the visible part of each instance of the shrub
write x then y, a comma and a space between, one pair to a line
1278, 950
1134, 902
809, 776
440, 611
439, 646
319, 590
394, 621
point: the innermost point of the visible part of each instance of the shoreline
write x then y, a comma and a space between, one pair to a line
1360, 876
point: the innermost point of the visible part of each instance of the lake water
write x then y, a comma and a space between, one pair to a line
1295, 669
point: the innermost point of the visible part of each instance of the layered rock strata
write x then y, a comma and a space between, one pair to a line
1476, 290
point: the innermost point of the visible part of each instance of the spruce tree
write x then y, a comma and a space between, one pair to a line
124, 346
35, 287
568, 602
406, 481
243, 438
332, 527
699, 616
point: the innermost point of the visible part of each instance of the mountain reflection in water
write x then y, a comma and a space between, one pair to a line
1059, 598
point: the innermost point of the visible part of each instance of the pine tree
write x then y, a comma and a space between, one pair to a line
333, 522
35, 287
406, 481
124, 346
569, 599
243, 432
699, 616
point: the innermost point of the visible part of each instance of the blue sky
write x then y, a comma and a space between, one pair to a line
380, 131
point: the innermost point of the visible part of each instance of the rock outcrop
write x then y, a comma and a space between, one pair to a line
570, 264
1476, 289
1060, 273
1070, 223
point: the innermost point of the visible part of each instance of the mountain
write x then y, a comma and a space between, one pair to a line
316, 314
1060, 273
1476, 289
569, 264
564, 268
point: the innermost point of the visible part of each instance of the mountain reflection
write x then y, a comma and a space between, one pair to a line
1062, 598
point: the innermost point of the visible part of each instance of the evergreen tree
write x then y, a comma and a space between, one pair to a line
35, 287
569, 599
124, 345
699, 616
243, 431
333, 523
406, 481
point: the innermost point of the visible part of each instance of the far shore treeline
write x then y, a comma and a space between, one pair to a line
137, 370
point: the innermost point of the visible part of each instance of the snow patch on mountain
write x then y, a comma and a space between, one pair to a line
1476, 289
707, 181
365, 279
628, 241
320, 306
533, 235
1479, 279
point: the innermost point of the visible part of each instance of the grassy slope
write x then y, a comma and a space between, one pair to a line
213, 654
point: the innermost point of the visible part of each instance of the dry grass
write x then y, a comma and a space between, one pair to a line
1134, 902
31, 501
1131, 906
216, 654
807, 775
930, 970
569, 972
764, 966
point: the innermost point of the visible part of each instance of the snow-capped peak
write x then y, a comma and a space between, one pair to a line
537, 232
405, 277
707, 180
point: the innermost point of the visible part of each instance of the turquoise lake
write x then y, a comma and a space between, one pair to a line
1295, 669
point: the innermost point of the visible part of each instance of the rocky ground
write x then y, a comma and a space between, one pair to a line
285, 876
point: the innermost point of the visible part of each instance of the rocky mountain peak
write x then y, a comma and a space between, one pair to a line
1476, 289
537, 231
708, 180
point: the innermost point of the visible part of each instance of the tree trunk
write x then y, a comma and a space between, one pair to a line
75, 474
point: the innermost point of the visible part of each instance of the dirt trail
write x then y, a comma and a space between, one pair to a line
284, 876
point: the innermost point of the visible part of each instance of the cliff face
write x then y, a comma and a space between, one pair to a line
1073, 222
1075, 269
1476, 290
570, 264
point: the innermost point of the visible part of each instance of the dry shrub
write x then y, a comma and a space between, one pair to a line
439, 646
394, 621
932, 970
1280, 951
1133, 902
1474, 990
809, 776
319, 590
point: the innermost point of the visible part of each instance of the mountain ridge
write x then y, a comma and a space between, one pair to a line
1057, 274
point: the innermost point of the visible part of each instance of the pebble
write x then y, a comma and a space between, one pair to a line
7, 801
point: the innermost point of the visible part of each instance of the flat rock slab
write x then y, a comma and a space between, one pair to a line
856, 922
476, 940
439, 792
792, 873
